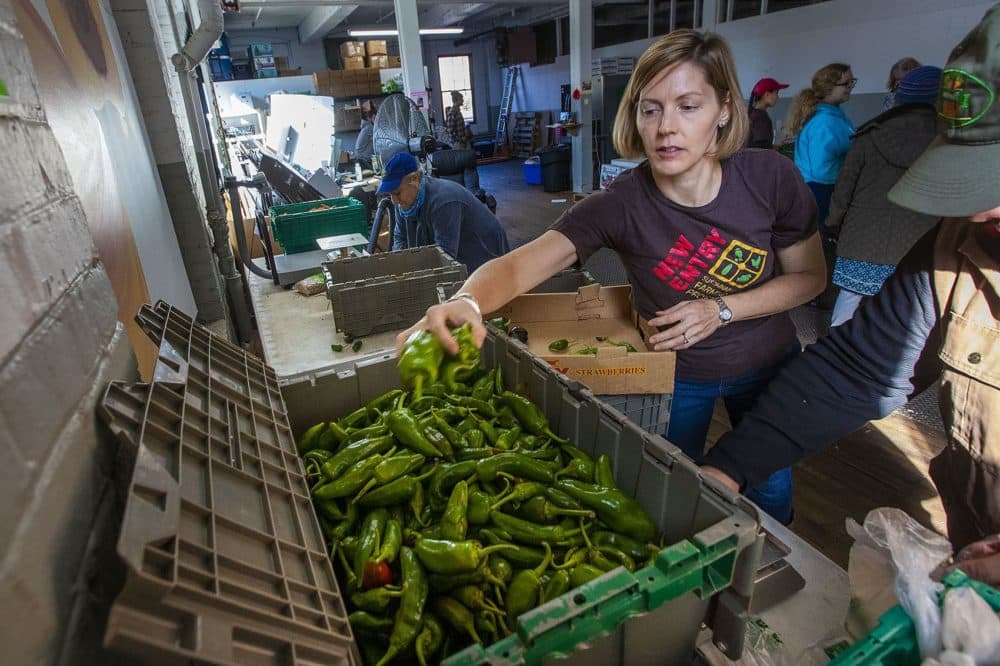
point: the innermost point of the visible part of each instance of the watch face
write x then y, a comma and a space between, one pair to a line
725, 314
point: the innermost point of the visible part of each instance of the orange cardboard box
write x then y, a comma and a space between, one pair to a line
378, 61
354, 62
352, 49
594, 311
394, 61
376, 47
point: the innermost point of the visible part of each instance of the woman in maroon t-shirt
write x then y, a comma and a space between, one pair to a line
718, 243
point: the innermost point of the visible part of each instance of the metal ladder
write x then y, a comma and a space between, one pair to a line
509, 77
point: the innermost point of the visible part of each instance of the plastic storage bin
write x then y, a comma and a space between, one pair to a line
557, 174
650, 411
894, 641
225, 563
388, 291
532, 171
297, 226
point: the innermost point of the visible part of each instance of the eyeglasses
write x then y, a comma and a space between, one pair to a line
849, 83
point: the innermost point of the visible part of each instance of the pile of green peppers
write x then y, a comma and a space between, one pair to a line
450, 508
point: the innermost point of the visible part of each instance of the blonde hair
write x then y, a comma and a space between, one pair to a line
896, 73
804, 106
712, 54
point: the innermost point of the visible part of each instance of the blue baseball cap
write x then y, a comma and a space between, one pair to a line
400, 166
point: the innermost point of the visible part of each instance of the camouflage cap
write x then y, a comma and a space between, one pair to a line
959, 173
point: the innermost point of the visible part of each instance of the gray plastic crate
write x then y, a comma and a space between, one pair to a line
225, 559
387, 291
563, 282
650, 411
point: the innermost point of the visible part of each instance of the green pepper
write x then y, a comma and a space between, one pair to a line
500, 322
475, 439
523, 591
420, 361
405, 427
443, 556
486, 624
615, 509
439, 441
376, 600
558, 345
392, 541
604, 475
426, 403
483, 388
622, 343
462, 366
384, 401
473, 598
356, 419
395, 492
391, 469
561, 499
368, 432
530, 416
580, 457
350, 481
455, 520
586, 351
337, 348
445, 478
541, 510
308, 440
488, 431
369, 541
345, 526
583, 573
505, 442
521, 492
363, 622
362, 449
356, 345
454, 437
411, 606
467, 425
430, 639
513, 464
557, 585
577, 469
526, 531
479, 507
484, 407
637, 550
525, 557
329, 509
502, 567
456, 615
506, 419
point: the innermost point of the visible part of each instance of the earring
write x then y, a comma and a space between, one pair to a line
722, 123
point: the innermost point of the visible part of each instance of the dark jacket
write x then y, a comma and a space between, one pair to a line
869, 227
761, 130
934, 318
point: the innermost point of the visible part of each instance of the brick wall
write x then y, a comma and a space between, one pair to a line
59, 345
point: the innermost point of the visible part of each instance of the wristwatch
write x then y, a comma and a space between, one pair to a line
725, 314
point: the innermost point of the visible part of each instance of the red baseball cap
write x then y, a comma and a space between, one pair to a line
767, 85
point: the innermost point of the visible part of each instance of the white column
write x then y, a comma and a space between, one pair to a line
409, 47
710, 14
581, 25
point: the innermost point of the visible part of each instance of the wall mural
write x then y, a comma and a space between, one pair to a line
88, 99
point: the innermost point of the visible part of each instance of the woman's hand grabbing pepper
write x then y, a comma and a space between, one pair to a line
441, 318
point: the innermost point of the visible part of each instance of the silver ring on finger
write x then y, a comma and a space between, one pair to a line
685, 338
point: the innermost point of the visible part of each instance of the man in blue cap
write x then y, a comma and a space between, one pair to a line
435, 211
935, 318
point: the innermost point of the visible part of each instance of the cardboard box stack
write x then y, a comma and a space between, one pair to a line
378, 61
341, 83
394, 61
376, 47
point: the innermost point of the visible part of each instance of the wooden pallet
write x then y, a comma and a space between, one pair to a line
524, 132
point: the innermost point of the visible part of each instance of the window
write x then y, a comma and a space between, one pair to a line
456, 74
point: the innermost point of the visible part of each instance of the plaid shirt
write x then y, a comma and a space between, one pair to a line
455, 124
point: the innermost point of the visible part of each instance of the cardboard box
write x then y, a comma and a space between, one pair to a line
394, 61
584, 315
378, 61
375, 47
354, 62
352, 50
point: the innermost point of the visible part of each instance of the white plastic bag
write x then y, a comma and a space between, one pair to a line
915, 552
970, 626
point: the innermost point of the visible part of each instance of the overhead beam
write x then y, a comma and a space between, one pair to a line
443, 15
321, 21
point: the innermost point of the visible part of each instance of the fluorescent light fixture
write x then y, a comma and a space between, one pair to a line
394, 33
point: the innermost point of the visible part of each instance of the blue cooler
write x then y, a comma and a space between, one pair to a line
533, 171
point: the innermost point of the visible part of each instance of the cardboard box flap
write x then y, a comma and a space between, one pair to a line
589, 302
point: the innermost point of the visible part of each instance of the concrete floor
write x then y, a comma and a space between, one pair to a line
883, 464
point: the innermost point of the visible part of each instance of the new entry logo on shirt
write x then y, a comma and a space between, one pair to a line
716, 266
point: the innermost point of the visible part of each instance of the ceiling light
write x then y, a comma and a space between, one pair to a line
394, 33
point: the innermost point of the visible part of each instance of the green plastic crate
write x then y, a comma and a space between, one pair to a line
894, 641
297, 226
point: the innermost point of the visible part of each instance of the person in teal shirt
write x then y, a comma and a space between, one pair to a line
823, 131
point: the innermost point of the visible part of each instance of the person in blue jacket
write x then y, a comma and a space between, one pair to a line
823, 131
436, 211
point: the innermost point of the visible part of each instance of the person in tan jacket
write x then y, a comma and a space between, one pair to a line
935, 318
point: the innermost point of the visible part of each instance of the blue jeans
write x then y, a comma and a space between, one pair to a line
691, 414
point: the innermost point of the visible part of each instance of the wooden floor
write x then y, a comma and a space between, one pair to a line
883, 464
